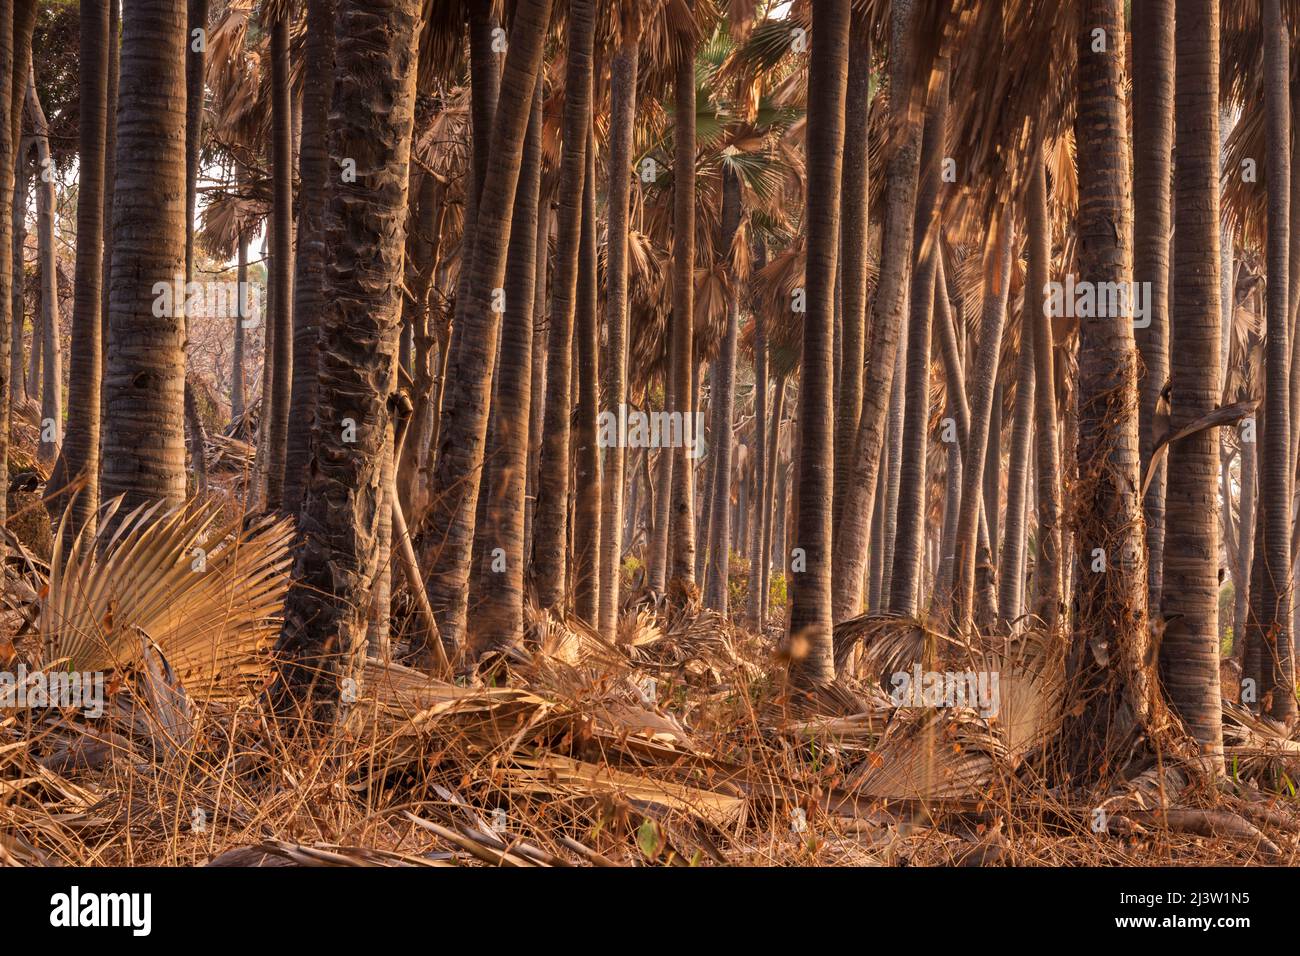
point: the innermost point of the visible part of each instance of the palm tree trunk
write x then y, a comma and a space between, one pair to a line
463, 432
725, 396
324, 637
51, 347
550, 520
1011, 579
110, 179
622, 121
997, 271
500, 619
1153, 140
1048, 591
276, 418
309, 265
909, 539
18, 392
810, 587
1108, 663
1189, 651
144, 431
79, 463
8, 150
885, 328
586, 509
769, 501
681, 392
1275, 464
854, 240
238, 390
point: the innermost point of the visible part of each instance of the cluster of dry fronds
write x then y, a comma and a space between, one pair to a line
679, 744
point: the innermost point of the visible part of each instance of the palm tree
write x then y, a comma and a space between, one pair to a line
309, 264
586, 455
79, 463
1011, 561
51, 347
905, 577
500, 617
1153, 140
854, 517
1189, 652
281, 333
144, 431
810, 587
550, 519
463, 431
8, 149
1047, 571
324, 635
622, 119
1275, 467
681, 389
1113, 685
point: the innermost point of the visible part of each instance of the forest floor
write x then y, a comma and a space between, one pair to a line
679, 743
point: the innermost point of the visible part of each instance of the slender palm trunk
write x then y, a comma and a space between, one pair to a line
997, 272
276, 418
238, 390
885, 328
18, 391
852, 275
550, 521
324, 635
463, 432
51, 347
144, 431
1116, 699
586, 472
309, 264
810, 586
1047, 457
1011, 578
8, 149
622, 121
79, 464
1153, 140
1275, 464
681, 391
909, 540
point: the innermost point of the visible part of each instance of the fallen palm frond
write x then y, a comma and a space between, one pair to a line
208, 596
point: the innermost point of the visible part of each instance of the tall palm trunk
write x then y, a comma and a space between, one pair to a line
550, 521
309, 264
8, 149
51, 346
144, 431
852, 276
79, 464
196, 45
18, 390
276, 416
885, 328
238, 390
110, 178
1275, 464
681, 390
997, 273
1153, 140
500, 617
725, 396
810, 587
1108, 663
909, 540
1189, 652
324, 635
622, 121
586, 471
1047, 572
1011, 579
463, 431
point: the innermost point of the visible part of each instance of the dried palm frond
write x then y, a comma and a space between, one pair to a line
209, 597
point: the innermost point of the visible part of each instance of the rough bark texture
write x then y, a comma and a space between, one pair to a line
324, 637
550, 521
463, 432
309, 264
276, 417
586, 465
51, 434
144, 430
810, 588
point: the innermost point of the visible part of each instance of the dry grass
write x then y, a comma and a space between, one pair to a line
679, 744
